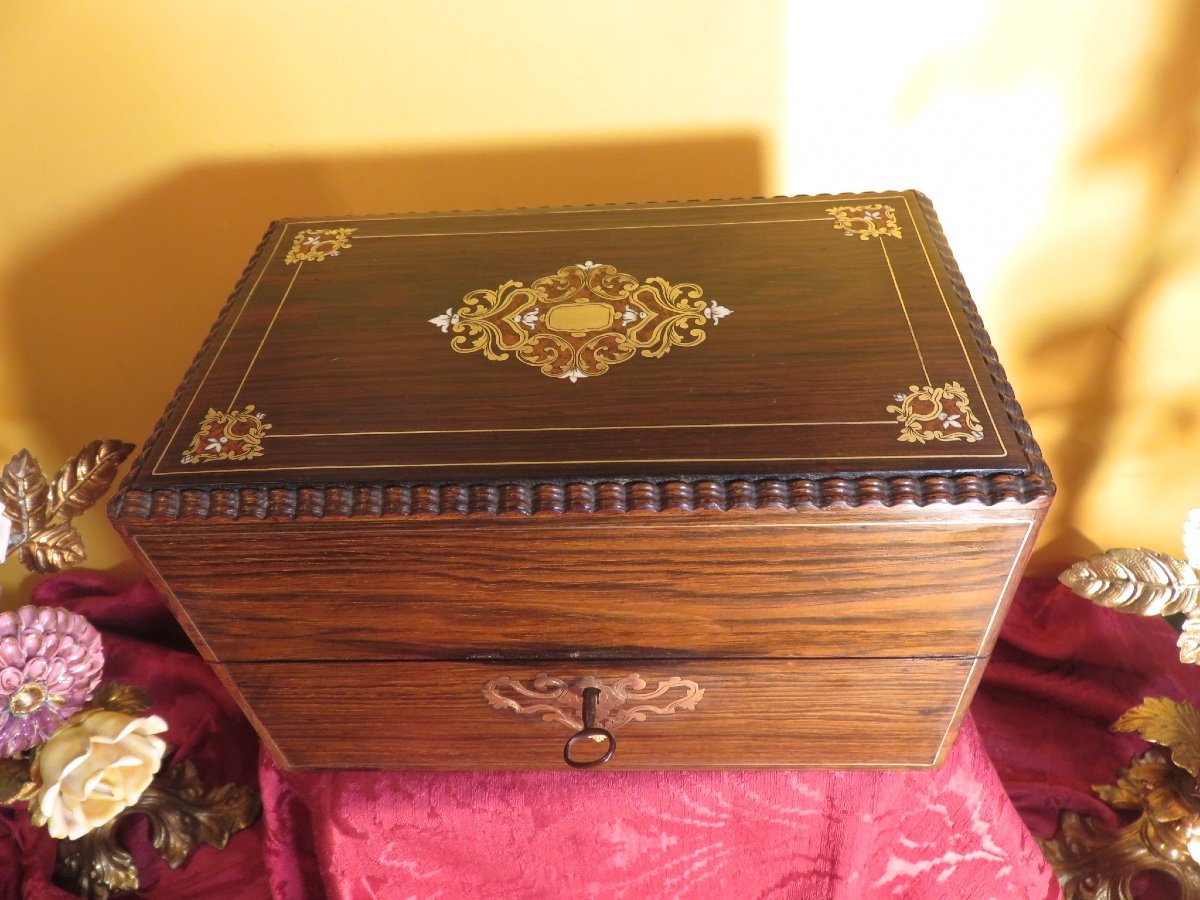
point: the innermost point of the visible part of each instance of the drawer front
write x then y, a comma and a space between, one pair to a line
698, 714
468, 590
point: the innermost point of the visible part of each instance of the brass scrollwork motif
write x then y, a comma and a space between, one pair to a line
315, 244
233, 435
936, 414
580, 321
874, 220
621, 701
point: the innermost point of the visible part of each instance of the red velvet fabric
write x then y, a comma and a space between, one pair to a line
1064, 670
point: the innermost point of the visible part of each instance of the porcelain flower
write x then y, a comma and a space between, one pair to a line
94, 768
50, 662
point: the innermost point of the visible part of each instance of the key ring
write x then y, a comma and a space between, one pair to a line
591, 695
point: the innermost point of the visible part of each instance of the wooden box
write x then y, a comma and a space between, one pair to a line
735, 484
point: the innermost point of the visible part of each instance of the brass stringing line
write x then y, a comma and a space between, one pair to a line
636, 427
245, 303
954, 713
270, 325
1012, 569
1007, 581
904, 309
938, 284
601, 428
572, 462
486, 213
576, 428
472, 215
527, 525
416, 234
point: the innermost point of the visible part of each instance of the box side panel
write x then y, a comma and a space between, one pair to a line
859, 583
751, 714
179, 610
1039, 512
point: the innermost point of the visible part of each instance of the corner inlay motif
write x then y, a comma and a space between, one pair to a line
237, 434
936, 414
621, 701
866, 222
580, 321
314, 244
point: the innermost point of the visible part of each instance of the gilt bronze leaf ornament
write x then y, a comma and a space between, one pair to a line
1095, 861
1147, 583
41, 511
182, 814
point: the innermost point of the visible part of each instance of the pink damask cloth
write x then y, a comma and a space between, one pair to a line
1061, 674
847, 835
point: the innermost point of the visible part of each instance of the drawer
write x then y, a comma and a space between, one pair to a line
697, 714
859, 583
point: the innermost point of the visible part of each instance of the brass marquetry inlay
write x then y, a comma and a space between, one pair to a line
314, 244
237, 434
581, 321
866, 222
936, 414
621, 700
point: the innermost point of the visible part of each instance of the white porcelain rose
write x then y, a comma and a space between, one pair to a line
94, 768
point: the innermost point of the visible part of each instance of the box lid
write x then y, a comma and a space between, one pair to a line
799, 337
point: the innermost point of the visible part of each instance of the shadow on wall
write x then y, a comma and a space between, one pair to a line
113, 309
1093, 369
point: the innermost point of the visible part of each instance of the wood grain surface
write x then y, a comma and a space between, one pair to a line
699, 586
754, 714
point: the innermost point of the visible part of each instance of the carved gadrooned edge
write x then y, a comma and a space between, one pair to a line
193, 369
1039, 481
613, 498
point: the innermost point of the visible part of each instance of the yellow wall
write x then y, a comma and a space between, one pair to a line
147, 144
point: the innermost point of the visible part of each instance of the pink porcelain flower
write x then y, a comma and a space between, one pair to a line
50, 662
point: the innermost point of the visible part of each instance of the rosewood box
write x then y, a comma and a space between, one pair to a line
728, 484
